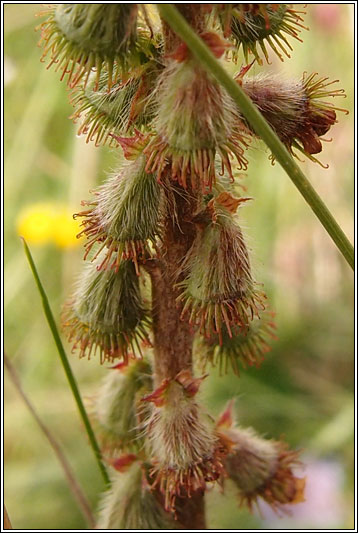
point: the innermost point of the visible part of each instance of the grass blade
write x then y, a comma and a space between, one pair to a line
68, 371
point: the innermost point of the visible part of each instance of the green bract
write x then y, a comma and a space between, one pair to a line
125, 216
253, 26
107, 313
126, 106
117, 409
218, 289
195, 122
82, 37
130, 504
242, 348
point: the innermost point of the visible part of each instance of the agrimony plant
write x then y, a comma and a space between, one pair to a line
169, 216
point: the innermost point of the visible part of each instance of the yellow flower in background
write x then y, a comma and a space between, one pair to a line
45, 223
35, 223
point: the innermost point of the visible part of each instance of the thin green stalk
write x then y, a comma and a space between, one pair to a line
71, 378
199, 49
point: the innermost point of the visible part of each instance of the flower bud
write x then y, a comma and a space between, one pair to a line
195, 122
117, 411
83, 37
130, 504
185, 451
218, 289
253, 26
243, 348
124, 217
107, 313
117, 111
260, 468
296, 111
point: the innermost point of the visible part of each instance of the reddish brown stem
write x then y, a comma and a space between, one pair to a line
173, 338
195, 16
191, 512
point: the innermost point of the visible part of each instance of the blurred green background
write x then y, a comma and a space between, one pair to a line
304, 389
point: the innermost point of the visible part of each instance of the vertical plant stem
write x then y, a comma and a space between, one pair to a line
72, 481
70, 377
173, 338
178, 23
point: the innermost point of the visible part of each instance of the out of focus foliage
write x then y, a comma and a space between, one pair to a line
304, 389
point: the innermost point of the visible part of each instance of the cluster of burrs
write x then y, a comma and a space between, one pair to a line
181, 134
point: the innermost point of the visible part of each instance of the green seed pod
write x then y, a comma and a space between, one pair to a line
242, 348
218, 289
184, 446
260, 468
256, 25
125, 216
83, 37
130, 504
107, 313
117, 408
122, 109
296, 110
195, 122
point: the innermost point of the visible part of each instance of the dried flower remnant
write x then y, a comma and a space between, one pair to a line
297, 111
242, 348
117, 408
185, 450
195, 122
253, 26
124, 218
107, 313
130, 504
260, 468
218, 291
82, 37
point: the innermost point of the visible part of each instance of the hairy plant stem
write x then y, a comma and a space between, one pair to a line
191, 512
193, 14
173, 338
197, 46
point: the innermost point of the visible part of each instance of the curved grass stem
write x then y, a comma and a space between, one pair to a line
71, 479
199, 49
66, 365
